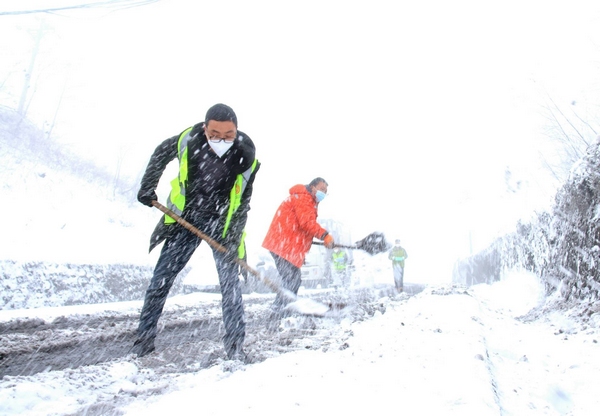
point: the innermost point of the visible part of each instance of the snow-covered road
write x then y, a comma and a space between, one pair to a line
446, 350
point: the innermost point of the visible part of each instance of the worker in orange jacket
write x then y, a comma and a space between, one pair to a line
291, 234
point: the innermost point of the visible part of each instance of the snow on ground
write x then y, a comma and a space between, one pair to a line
444, 351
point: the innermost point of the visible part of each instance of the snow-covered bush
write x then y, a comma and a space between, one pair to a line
561, 246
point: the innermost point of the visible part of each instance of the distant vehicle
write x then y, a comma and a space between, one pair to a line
316, 271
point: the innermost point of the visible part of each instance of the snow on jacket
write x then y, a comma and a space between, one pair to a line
294, 226
210, 179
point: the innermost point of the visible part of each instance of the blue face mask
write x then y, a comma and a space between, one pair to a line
320, 195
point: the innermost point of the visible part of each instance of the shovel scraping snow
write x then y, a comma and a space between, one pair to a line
304, 306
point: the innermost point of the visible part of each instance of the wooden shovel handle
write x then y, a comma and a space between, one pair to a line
190, 227
213, 243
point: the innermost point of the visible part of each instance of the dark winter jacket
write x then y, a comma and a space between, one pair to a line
210, 180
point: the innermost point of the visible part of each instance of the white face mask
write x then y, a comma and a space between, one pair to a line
221, 147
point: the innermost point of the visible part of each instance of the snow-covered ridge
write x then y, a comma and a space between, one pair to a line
27, 285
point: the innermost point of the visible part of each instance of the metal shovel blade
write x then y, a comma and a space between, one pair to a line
374, 243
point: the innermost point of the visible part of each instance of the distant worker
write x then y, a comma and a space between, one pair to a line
397, 255
291, 234
340, 267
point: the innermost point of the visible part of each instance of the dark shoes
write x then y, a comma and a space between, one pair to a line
142, 346
235, 352
238, 355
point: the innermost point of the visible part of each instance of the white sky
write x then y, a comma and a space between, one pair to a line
412, 112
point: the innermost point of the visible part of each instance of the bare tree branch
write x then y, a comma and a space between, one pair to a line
569, 122
585, 122
571, 135
121, 4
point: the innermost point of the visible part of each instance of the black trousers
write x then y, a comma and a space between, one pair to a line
291, 278
175, 254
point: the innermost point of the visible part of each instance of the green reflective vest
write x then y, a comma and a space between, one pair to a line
176, 199
397, 255
339, 260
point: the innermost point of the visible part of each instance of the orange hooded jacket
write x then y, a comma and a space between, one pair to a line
294, 226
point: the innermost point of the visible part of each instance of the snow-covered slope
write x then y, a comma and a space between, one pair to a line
57, 206
71, 233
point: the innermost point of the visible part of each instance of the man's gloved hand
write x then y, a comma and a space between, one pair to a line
146, 196
328, 241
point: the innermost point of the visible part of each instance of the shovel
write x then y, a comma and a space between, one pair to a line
374, 243
304, 306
